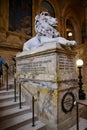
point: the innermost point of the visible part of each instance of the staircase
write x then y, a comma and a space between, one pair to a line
14, 118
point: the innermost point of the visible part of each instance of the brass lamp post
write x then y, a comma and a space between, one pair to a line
81, 93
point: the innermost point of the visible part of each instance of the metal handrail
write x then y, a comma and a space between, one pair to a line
13, 74
20, 106
33, 99
33, 120
14, 71
2, 80
7, 79
14, 89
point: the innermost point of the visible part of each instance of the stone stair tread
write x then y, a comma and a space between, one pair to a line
14, 118
3, 97
15, 122
5, 91
10, 86
82, 124
38, 126
9, 104
13, 111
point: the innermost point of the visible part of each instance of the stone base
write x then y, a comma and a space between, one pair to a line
48, 73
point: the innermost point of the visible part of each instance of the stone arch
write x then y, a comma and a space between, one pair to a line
76, 27
46, 5
56, 9
54, 5
68, 13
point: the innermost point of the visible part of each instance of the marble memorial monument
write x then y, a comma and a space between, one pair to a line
47, 71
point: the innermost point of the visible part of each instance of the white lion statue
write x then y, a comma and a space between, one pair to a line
45, 32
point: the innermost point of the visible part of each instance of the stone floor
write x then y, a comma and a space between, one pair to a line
82, 125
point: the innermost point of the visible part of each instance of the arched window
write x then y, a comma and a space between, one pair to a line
70, 30
46, 5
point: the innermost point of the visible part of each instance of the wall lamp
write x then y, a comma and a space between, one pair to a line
70, 34
81, 93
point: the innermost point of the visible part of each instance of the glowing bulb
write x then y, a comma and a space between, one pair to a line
79, 62
70, 34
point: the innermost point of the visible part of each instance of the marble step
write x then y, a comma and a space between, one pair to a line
38, 126
6, 114
4, 98
13, 118
10, 86
5, 92
82, 125
10, 104
16, 122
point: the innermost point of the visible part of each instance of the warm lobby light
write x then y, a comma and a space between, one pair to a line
82, 95
70, 34
79, 63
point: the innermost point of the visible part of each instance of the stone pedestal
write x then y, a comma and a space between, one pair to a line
50, 74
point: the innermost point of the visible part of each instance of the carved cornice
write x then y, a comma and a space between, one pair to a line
10, 47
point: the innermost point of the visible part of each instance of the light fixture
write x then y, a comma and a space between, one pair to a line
79, 63
82, 95
70, 34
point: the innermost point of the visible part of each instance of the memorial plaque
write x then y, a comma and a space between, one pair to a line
40, 66
66, 63
66, 67
68, 102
